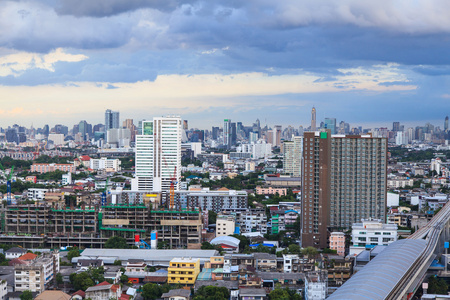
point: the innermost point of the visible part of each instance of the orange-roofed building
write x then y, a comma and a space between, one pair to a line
28, 257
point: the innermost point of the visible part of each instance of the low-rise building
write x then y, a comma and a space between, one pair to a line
316, 285
177, 294
14, 252
104, 291
225, 225
291, 263
36, 275
44, 168
270, 191
337, 242
183, 271
371, 233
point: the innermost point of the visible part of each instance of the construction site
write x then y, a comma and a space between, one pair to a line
44, 226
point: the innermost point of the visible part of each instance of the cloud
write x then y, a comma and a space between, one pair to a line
18, 63
102, 8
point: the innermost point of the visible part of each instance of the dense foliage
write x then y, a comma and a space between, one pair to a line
117, 242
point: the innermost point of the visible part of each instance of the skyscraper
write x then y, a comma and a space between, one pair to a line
446, 124
344, 180
396, 126
111, 119
292, 159
83, 129
276, 142
330, 123
313, 119
158, 154
227, 132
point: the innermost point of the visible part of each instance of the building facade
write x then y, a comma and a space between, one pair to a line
344, 181
370, 233
183, 271
337, 242
292, 161
158, 155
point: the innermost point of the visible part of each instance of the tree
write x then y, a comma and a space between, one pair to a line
207, 246
124, 278
117, 262
212, 216
279, 294
26, 295
117, 242
59, 278
74, 252
151, 291
211, 292
294, 249
311, 252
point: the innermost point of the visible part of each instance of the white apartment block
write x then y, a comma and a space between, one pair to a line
316, 285
36, 194
66, 179
293, 152
3, 289
290, 263
56, 138
371, 233
225, 225
252, 220
112, 165
158, 155
260, 149
36, 275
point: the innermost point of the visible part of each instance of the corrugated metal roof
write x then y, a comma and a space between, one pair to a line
379, 277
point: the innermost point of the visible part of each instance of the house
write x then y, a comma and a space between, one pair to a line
15, 252
252, 293
104, 291
178, 294
86, 263
78, 295
28, 257
53, 295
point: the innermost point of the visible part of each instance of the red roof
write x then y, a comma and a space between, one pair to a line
80, 293
28, 256
16, 261
124, 297
103, 283
85, 158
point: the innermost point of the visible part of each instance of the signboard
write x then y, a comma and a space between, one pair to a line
446, 245
323, 135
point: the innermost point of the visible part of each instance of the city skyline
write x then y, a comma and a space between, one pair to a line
366, 63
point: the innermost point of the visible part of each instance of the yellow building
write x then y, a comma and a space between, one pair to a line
183, 271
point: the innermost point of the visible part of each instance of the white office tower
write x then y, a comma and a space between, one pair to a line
293, 152
158, 155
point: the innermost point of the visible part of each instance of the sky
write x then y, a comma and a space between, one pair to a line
368, 63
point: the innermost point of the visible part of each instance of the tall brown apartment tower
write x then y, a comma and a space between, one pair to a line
316, 188
352, 187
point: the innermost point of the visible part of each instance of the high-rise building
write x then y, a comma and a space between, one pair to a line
128, 123
344, 181
227, 132
158, 154
396, 126
276, 142
292, 162
215, 133
185, 125
313, 119
330, 123
233, 134
111, 119
83, 129
446, 124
